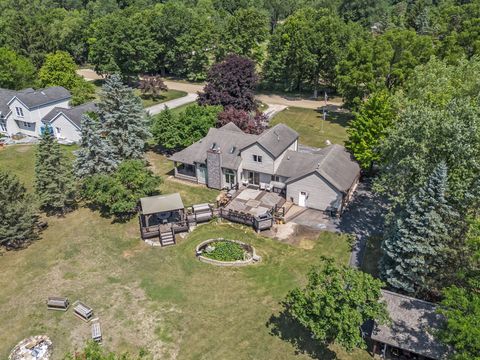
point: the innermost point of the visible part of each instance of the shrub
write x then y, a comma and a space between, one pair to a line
225, 251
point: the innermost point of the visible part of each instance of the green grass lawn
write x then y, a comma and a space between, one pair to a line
162, 300
311, 127
147, 100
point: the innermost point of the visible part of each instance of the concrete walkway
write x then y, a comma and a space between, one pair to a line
172, 104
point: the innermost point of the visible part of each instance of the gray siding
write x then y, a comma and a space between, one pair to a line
320, 194
267, 164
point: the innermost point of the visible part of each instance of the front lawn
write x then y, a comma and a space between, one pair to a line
309, 124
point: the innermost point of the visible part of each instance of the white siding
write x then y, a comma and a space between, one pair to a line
320, 194
12, 126
267, 164
68, 130
33, 116
278, 160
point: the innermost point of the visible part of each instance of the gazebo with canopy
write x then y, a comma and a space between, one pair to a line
161, 213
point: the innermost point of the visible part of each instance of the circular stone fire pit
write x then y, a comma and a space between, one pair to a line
33, 348
223, 252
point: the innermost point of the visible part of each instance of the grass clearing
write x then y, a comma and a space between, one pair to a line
160, 299
308, 123
147, 100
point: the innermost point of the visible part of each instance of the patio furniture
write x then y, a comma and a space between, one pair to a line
96, 331
57, 303
83, 311
263, 186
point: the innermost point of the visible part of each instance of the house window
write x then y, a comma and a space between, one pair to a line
19, 111
59, 131
276, 178
3, 126
27, 124
257, 158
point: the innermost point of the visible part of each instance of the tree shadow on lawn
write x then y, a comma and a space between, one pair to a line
335, 114
288, 329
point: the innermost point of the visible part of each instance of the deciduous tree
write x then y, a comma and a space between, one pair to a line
173, 131
16, 71
117, 194
59, 69
336, 302
231, 83
461, 309
251, 123
369, 127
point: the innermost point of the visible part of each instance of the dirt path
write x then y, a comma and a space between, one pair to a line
269, 99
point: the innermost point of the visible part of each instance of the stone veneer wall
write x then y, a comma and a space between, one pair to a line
214, 169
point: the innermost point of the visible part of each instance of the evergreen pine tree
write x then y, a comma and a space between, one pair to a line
17, 212
54, 184
124, 121
414, 249
95, 155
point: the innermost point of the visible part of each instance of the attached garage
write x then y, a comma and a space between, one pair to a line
314, 192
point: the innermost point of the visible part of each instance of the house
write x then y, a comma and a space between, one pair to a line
322, 179
66, 123
27, 111
410, 334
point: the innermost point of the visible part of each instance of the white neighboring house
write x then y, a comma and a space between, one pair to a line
66, 123
26, 112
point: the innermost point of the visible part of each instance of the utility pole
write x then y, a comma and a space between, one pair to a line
324, 111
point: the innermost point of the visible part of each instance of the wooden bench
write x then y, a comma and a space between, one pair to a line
83, 311
58, 303
96, 331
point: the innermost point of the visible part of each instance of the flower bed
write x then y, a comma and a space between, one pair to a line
226, 252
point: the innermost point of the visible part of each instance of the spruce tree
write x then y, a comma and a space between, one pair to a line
124, 120
17, 212
416, 245
95, 155
54, 184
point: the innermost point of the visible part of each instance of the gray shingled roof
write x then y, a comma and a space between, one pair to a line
277, 139
227, 139
74, 114
413, 322
5, 96
35, 98
334, 163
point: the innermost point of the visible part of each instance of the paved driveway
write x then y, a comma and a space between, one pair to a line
172, 104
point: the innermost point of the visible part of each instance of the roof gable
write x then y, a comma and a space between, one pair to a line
226, 139
74, 115
277, 139
332, 163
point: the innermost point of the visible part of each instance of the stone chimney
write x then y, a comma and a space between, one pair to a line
214, 168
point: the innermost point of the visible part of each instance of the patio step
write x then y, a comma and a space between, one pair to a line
167, 238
